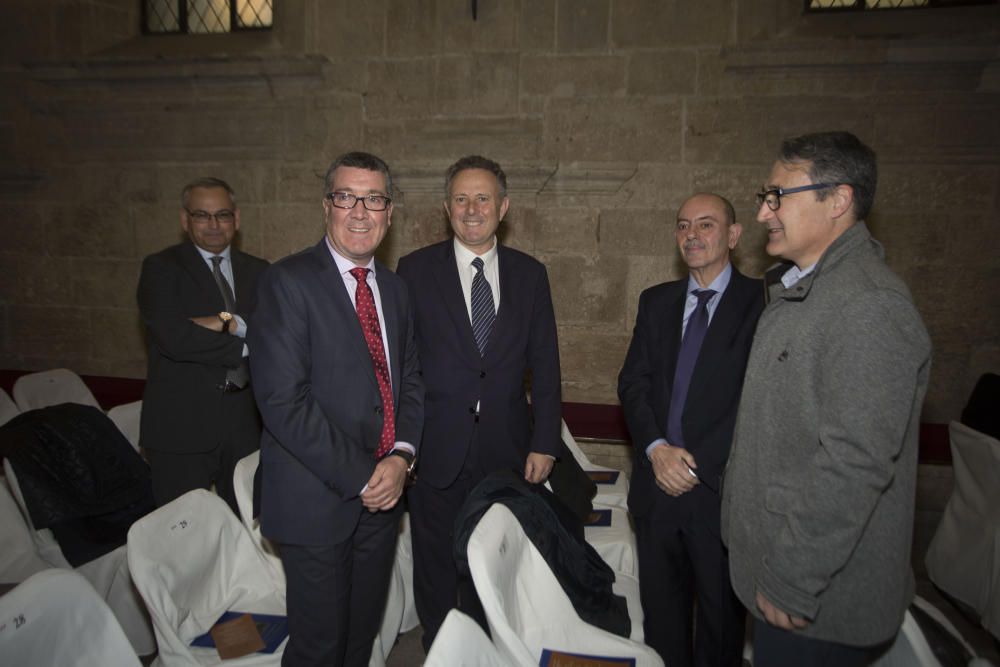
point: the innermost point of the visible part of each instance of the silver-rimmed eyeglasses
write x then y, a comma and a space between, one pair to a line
773, 197
348, 200
223, 217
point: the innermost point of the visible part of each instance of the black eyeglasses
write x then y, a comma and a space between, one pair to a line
773, 197
348, 200
225, 216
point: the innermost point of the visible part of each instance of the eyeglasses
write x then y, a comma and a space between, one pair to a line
348, 200
225, 216
773, 197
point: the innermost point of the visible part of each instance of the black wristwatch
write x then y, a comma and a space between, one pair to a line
410, 459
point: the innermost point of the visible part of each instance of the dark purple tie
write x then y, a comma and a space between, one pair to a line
694, 336
364, 302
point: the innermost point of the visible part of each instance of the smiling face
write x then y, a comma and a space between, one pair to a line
705, 236
803, 227
356, 232
475, 208
207, 232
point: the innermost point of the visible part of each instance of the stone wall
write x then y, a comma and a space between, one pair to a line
605, 113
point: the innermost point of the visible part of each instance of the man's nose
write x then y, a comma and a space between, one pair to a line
764, 213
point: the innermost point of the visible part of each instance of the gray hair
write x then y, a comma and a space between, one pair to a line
475, 162
839, 158
359, 160
206, 182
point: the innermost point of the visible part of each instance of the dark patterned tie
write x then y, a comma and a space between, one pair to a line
483, 310
364, 301
240, 375
694, 336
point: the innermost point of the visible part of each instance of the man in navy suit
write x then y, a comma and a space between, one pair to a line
682, 443
337, 379
198, 413
484, 321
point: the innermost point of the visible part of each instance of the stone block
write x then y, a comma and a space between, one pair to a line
538, 26
503, 139
350, 28
24, 223
49, 332
566, 231
494, 29
301, 183
11, 290
672, 72
590, 360
518, 229
90, 231
421, 222
156, 226
634, 232
43, 281
587, 290
653, 23
573, 76
400, 88
582, 25
102, 283
653, 185
118, 337
643, 273
288, 228
476, 84
613, 129
412, 27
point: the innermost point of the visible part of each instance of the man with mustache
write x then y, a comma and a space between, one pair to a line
680, 389
818, 503
484, 321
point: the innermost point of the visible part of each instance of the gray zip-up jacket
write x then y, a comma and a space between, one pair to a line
819, 490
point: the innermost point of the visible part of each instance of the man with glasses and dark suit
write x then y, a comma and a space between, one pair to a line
195, 298
337, 378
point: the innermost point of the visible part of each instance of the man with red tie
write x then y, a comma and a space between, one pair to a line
338, 384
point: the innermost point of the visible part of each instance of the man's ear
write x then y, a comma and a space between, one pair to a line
843, 200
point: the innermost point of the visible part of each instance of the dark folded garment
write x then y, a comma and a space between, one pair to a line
79, 477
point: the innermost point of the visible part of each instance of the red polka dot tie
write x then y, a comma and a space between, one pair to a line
365, 303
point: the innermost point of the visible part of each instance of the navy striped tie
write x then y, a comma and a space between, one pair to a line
483, 310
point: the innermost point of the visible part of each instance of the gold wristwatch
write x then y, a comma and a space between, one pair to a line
227, 319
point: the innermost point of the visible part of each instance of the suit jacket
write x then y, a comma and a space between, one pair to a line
187, 362
646, 379
316, 389
456, 376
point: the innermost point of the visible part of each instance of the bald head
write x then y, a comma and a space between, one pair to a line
706, 232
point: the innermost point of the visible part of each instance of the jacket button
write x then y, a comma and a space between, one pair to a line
482, 374
472, 410
378, 409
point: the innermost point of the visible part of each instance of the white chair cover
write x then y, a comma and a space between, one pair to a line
60, 385
243, 488
963, 558
460, 642
108, 574
608, 495
525, 606
615, 543
192, 560
404, 563
56, 618
126, 417
18, 558
628, 588
8, 408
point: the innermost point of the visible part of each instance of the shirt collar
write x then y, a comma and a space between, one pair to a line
465, 256
345, 265
795, 274
207, 256
720, 283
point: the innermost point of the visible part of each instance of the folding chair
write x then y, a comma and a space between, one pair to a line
60, 385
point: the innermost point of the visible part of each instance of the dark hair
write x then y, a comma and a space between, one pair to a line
475, 162
359, 160
206, 182
836, 157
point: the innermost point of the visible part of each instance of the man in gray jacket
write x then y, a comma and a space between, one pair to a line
818, 493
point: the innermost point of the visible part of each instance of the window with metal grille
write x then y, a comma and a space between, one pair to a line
864, 5
205, 16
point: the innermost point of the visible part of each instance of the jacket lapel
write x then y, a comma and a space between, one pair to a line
673, 319
450, 290
197, 267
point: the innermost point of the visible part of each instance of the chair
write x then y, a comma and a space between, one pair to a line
608, 495
8, 408
192, 560
526, 608
404, 563
108, 574
18, 558
615, 543
628, 587
963, 558
460, 642
126, 418
56, 618
60, 385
